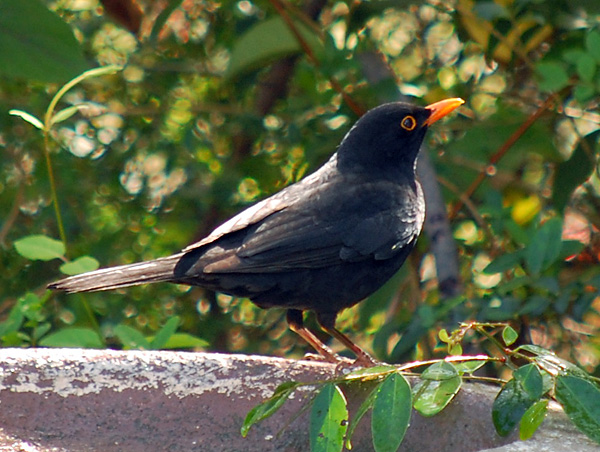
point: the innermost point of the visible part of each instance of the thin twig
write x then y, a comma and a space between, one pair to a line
337, 87
502, 151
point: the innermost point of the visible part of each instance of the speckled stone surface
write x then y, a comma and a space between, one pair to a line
103, 400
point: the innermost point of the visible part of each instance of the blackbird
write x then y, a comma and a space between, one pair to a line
322, 244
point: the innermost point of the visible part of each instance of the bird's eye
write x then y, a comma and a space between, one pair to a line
408, 123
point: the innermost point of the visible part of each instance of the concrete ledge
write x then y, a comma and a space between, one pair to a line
104, 400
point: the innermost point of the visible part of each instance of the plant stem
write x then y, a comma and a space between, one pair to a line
53, 192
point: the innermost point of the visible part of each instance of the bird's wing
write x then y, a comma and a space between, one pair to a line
322, 230
267, 207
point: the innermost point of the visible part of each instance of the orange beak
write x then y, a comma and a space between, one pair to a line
442, 108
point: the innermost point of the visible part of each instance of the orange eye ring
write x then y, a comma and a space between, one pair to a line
408, 123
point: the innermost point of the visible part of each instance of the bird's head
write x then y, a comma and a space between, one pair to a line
387, 138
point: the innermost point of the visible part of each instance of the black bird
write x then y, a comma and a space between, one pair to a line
322, 244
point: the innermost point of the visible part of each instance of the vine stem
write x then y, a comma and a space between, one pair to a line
53, 191
546, 105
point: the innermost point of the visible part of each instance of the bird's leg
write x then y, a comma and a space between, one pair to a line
327, 322
296, 323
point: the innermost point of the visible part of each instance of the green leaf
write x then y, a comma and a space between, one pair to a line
266, 41
444, 336
269, 406
442, 370
31, 306
370, 373
469, 366
432, 396
553, 76
131, 338
184, 340
455, 350
530, 379
41, 330
586, 68
545, 246
509, 406
532, 419
509, 335
15, 317
362, 410
391, 413
40, 247
165, 333
583, 93
592, 44
66, 113
80, 265
328, 420
73, 338
580, 399
28, 117
549, 362
573, 172
504, 262
36, 44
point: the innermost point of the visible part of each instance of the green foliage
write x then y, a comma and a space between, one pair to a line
46, 52
328, 420
39, 247
257, 47
73, 337
439, 383
522, 400
580, 398
132, 164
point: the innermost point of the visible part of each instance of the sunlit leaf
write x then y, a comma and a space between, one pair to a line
532, 419
80, 265
28, 117
66, 113
509, 406
441, 370
184, 340
509, 335
164, 334
432, 396
268, 407
369, 373
391, 413
73, 338
444, 336
39, 247
580, 399
131, 338
328, 420
469, 366
530, 379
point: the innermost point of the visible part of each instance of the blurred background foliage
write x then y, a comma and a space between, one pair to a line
219, 104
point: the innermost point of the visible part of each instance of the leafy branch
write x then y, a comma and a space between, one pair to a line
50, 119
522, 400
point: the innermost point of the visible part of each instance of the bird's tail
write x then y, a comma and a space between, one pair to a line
122, 276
